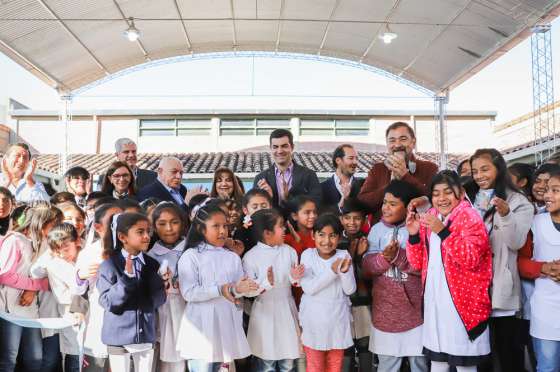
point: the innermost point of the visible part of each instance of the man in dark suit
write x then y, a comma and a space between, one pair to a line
126, 151
342, 185
286, 178
167, 186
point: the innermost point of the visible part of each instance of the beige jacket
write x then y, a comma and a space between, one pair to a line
507, 235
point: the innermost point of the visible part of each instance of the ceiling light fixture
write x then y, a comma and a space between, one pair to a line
388, 36
131, 33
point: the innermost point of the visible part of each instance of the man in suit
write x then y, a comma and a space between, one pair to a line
126, 151
342, 185
286, 178
167, 186
400, 164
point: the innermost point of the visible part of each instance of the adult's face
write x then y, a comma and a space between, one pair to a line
348, 163
17, 161
399, 139
281, 151
77, 185
171, 173
120, 179
128, 155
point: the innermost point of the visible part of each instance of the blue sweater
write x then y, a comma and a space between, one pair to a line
130, 304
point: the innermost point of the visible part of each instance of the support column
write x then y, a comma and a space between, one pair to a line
441, 101
65, 119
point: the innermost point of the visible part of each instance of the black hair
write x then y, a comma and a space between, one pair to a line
173, 209
402, 190
545, 168
400, 124
76, 172
555, 173
294, 204
503, 183
150, 202
264, 220
351, 205
96, 195
62, 197
17, 216
339, 153
279, 133
449, 178
104, 200
523, 171
328, 219
196, 200
460, 166
124, 223
8, 194
100, 213
195, 235
128, 203
255, 192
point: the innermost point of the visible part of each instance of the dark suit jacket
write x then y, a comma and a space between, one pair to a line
331, 195
304, 182
157, 190
144, 178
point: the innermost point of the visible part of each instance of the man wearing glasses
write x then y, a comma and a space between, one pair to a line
167, 186
400, 164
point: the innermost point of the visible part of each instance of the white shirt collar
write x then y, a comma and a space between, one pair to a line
160, 250
337, 182
140, 256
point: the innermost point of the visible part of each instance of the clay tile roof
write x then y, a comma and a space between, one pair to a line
240, 162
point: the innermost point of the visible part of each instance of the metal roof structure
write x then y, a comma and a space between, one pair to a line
441, 43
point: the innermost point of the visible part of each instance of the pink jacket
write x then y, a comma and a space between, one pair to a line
467, 261
10, 259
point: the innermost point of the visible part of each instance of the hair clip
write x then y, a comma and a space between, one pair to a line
114, 223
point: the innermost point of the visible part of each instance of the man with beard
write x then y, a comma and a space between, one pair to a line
126, 151
400, 164
342, 185
286, 179
17, 175
78, 183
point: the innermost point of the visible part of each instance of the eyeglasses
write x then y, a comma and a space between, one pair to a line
83, 178
123, 176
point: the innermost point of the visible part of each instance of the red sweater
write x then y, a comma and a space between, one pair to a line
528, 268
467, 261
306, 241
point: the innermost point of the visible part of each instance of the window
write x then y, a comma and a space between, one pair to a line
237, 127
266, 126
316, 127
194, 127
157, 127
352, 127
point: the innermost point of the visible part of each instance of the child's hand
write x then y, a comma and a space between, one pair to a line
297, 271
412, 223
246, 285
235, 246
432, 222
293, 232
390, 251
501, 205
225, 290
362, 246
552, 270
336, 265
270, 276
89, 272
346, 263
128, 265
262, 184
27, 298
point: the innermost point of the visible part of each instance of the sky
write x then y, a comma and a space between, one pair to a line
268, 83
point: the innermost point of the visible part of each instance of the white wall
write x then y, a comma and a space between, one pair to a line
48, 136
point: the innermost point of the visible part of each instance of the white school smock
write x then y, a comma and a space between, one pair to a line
48, 307
443, 330
211, 326
273, 326
545, 301
92, 253
62, 281
171, 312
324, 311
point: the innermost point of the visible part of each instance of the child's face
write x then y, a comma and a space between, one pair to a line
484, 172
68, 251
101, 228
256, 203
306, 215
234, 214
137, 239
444, 198
326, 241
5, 206
393, 209
539, 186
552, 195
276, 236
352, 222
168, 227
48, 227
216, 229
75, 218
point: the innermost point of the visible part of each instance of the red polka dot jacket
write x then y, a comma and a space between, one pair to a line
467, 261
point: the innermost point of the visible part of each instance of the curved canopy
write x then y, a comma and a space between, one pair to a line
440, 43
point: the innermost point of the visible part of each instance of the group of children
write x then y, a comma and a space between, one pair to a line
434, 284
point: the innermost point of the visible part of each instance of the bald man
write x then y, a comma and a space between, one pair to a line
167, 186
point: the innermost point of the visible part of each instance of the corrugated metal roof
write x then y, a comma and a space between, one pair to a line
71, 43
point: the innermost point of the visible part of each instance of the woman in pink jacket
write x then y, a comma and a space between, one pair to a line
450, 245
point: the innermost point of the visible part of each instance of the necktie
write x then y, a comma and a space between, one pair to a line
137, 267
